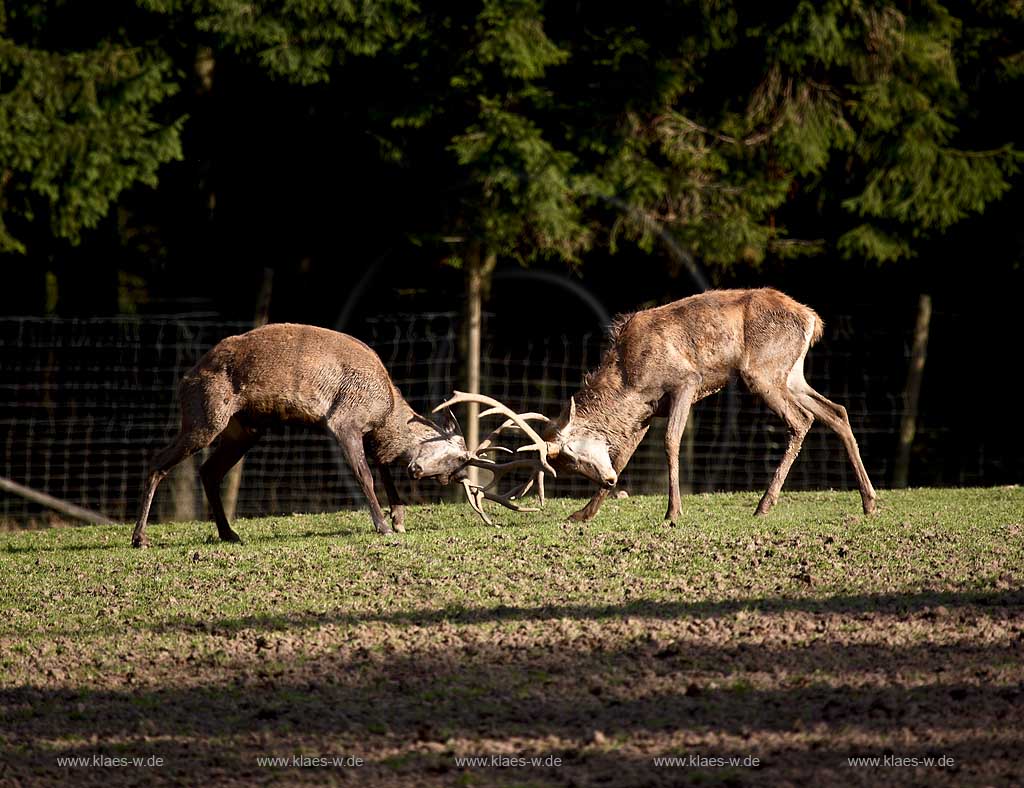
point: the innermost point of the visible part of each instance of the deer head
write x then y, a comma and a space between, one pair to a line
441, 451
575, 448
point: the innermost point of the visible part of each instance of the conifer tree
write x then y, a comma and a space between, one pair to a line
79, 119
740, 128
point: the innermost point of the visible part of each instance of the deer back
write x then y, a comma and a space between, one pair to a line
713, 335
288, 372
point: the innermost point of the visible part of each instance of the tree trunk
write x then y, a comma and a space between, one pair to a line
912, 391
182, 481
479, 266
689, 452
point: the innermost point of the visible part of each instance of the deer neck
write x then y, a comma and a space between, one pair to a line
608, 407
399, 433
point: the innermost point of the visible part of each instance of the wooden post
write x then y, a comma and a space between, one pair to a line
912, 391
64, 507
689, 450
474, 319
478, 268
182, 481
233, 480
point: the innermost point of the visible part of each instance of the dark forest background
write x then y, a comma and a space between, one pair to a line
158, 156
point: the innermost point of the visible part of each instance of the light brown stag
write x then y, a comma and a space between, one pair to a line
286, 373
663, 360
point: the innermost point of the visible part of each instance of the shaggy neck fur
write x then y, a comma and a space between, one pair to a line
400, 433
610, 408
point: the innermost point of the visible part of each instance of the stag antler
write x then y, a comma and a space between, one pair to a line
485, 446
476, 494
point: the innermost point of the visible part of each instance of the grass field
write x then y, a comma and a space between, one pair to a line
800, 639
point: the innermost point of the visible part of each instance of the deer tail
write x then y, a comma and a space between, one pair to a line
819, 327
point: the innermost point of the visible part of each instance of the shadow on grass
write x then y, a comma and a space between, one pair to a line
408, 715
898, 604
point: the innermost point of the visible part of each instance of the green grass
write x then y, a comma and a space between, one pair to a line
801, 637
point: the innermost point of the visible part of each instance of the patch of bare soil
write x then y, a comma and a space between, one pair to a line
597, 694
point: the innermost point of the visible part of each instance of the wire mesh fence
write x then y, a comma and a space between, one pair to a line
84, 404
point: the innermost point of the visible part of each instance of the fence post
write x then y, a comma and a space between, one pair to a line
478, 267
912, 391
180, 506
689, 450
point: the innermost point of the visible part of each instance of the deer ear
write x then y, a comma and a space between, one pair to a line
572, 411
450, 424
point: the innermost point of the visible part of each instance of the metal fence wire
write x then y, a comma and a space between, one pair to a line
84, 404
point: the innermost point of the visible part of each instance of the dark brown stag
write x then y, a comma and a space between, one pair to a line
663, 360
284, 373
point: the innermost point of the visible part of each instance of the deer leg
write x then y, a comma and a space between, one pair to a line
618, 462
394, 500
235, 441
679, 409
351, 441
591, 508
836, 417
185, 445
799, 421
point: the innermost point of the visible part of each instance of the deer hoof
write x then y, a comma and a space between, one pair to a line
870, 506
140, 541
668, 522
230, 536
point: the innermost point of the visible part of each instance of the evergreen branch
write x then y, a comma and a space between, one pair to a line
993, 153
750, 141
796, 245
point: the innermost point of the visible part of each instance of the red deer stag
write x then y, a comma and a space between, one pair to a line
663, 360
294, 373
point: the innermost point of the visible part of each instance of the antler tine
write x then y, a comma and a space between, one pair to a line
523, 489
506, 501
477, 495
531, 416
474, 496
536, 442
486, 442
500, 469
